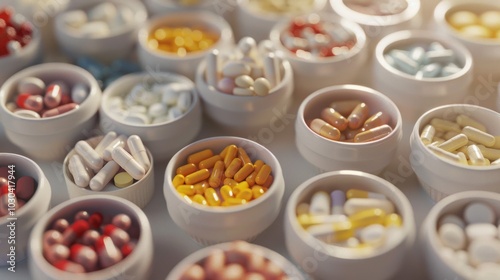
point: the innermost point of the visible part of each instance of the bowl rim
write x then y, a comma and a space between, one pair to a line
204, 144
244, 5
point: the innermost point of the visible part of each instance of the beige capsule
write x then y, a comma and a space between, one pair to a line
454, 143
427, 134
358, 116
373, 134
377, 119
479, 136
345, 107
334, 118
324, 129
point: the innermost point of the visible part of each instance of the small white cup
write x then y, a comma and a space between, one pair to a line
329, 155
137, 265
162, 139
334, 262
25, 217
209, 225
415, 96
50, 138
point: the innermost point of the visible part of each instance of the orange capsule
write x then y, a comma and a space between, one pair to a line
233, 167
257, 191
230, 182
261, 177
186, 169
216, 177
196, 158
324, 129
269, 181
224, 151
242, 154
256, 167
201, 187
231, 153
373, 134
197, 176
344, 107
378, 119
178, 180
244, 172
358, 116
209, 162
334, 118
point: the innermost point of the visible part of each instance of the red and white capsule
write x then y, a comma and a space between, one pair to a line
74, 231
85, 256
107, 252
118, 235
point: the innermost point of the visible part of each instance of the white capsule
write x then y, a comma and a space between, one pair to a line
94, 29
465, 120
102, 178
481, 230
373, 235
91, 158
484, 251
478, 212
78, 171
128, 163
102, 12
243, 91
149, 98
137, 118
27, 114
247, 45
439, 56
265, 46
452, 219
75, 19
211, 73
429, 71
105, 141
355, 205
320, 204
31, 85
233, 69
427, 134
476, 156
479, 136
137, 109
417, 54
452, 236
404, 62
184, 101
450, 69
79, 93
157, 110
454, 143
138, 151
272, 69
119, 141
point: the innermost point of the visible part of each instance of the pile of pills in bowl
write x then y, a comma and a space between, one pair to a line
312, 37
15, 190
462, 140
377, 8
90, 241
281, 7
241, 260
106, 74
246, 71
38, 99
15, 31
352, 219
115, 157
152, 103
470, 242
225, 179
485, 25
351, 121
181, 41
100, 21
424, 61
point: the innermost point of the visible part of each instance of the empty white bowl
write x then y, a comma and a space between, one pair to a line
209, 225
118, 44
157, 60
329, 155
50, 138
25, 217
440, 177
140, 193
162, 139
335, 262
137, 265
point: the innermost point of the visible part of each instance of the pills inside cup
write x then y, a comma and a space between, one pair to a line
118, 159
227, 178
312, 37
281, 7
462, 140
377, 8
89, 241
15, 189
423, 61
36, 98
351, 121
468, 240
15, 31
485, 25
356, 219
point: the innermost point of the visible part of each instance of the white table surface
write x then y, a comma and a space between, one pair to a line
171, 244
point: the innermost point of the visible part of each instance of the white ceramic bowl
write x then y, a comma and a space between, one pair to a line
50, 138
329, 155
291, 271
485, 52
137, 265
177, 133
106, 48
255, 24
140, 193
311, 75
157, 60
245, 112
377, 27
209, 225
26, 216
440, 177
333, 262
414, 96
438, 267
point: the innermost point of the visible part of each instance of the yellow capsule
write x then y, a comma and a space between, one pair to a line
269, 181
196, 158
393, 220
245, 194
373, 134
368, 217
256, 167
209, 162
378, 119
489, 153
356, 193
334, 118
153, 44
230, 154
257, 191
241, 186
302, 208
230, 182
233, 167
200, 199
197, 176
454, 143
497, 142
212, 197
336, 232
244, 172
427, 134
182, 52
242, 154
186, 169
464, 120
324, 129
445, 125
232, 201
479, 136
226, 192
358, 116
216, 177
186, 190
201, 187
264, 172
178, 180
344, 107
